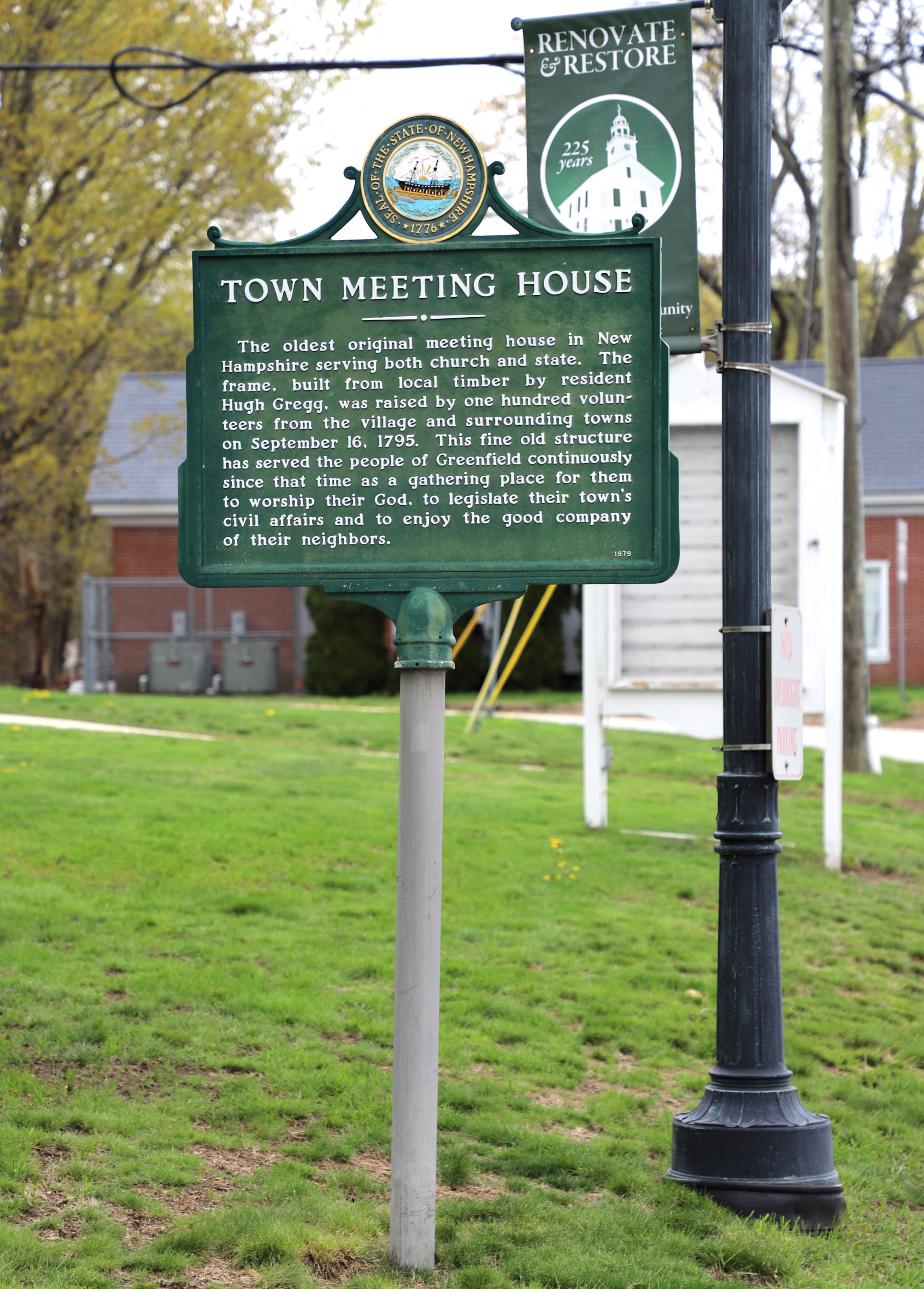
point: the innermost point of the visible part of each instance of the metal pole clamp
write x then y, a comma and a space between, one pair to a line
714, 343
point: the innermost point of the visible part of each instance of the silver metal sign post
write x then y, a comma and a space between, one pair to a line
423, 642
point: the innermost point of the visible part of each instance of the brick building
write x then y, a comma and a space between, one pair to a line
892, 411
133, 488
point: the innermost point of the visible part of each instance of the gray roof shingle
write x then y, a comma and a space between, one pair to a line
143, 442
892, 408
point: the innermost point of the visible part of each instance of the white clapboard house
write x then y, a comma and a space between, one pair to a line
656, 651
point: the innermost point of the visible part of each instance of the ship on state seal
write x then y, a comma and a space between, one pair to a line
422, 181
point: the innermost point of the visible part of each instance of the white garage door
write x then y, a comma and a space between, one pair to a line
671, 632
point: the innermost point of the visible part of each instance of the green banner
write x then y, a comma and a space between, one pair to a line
609, 135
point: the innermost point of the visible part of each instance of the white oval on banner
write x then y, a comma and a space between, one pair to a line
629, 183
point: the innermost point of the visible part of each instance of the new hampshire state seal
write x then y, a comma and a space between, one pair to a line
424, 180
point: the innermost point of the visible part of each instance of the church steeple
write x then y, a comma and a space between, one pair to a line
622, 142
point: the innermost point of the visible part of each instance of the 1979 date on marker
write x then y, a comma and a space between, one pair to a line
621, 554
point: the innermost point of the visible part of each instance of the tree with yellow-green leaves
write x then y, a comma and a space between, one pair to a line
101, 202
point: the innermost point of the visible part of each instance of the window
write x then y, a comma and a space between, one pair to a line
876, 609
628, 172
643, 199
617, 200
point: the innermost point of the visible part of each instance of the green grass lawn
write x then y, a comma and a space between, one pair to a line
196, 947
886, 702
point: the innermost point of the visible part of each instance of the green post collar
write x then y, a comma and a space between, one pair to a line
423, 631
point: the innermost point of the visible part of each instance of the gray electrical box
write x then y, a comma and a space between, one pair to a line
179, 666
249, 667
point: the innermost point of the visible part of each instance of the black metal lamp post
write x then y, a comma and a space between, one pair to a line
750, 1144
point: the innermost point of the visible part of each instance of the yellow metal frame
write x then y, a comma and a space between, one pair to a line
495, 663
514, 658
522, 642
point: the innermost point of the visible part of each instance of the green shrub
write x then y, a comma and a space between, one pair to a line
472, 660
348, 654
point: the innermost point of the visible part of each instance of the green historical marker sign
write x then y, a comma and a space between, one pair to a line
373, 416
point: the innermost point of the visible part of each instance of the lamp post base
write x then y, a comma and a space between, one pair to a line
760, 1153
813, 1210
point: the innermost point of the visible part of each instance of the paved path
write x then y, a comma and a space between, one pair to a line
96, 727
640, 724
893, 742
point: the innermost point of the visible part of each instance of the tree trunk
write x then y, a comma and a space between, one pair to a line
842, 355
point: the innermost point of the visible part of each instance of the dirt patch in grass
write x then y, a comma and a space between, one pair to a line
51, 1156
377, 1166
299, 1129
213, 1275
189, 1200
554, 1098
333, 1266
373, 1163
237, 1161
346, 1038
676, 1104
139, 1226
49, 1200
210, 1081
570, 1098
488, 1186
878, 876
129, 1079
749, 1277
582, 1133
675, 1098
52, 1071
216, 1075
65, 1228
224, 1166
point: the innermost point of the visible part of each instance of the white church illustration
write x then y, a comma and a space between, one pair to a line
607, 201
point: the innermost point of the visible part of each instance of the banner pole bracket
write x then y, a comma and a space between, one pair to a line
714, 343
